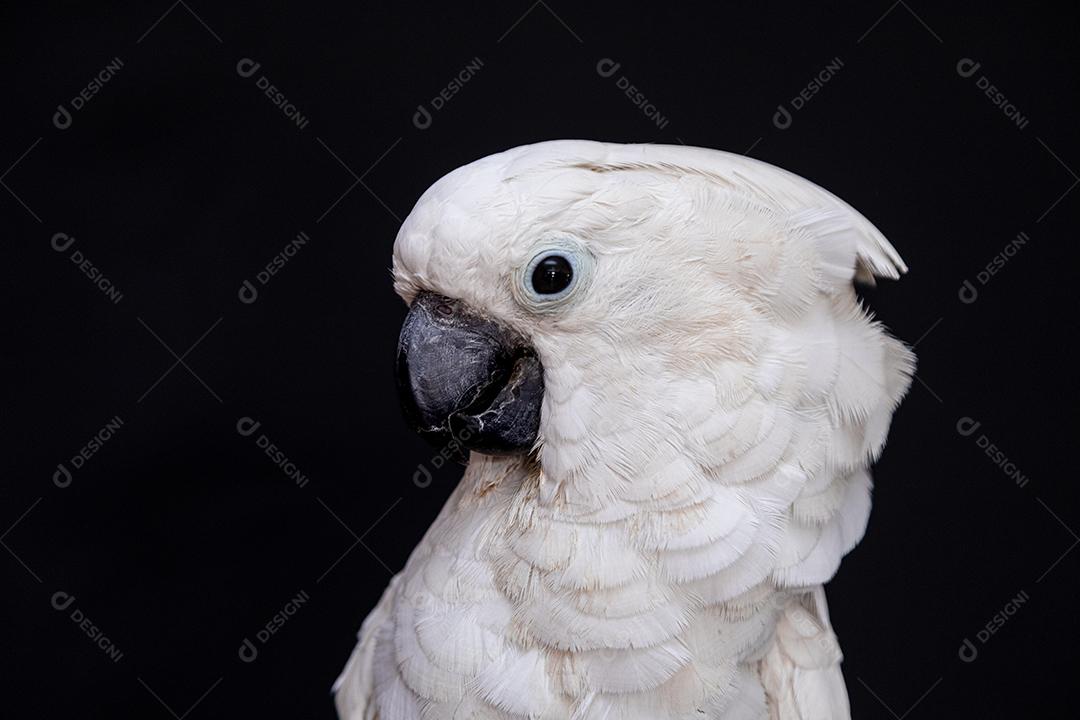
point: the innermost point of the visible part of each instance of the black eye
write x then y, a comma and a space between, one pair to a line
552, 275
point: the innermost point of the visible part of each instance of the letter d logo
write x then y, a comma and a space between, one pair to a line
247, 67
62, 477
968, 652
246, 426
61, 242
607, 67
967, 67
62, 600
967, 426
247, 294
968, 294
422, 477
782, 118
61, 118
421, 118
248, 652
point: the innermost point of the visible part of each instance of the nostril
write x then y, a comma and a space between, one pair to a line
444, 309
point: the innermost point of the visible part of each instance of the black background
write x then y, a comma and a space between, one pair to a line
179, 180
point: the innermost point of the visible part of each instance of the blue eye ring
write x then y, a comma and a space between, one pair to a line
552, 275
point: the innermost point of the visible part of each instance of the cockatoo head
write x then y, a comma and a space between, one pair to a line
630, 311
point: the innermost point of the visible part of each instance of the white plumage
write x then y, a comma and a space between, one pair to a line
714, 395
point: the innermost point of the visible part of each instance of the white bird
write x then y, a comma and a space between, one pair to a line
672, 397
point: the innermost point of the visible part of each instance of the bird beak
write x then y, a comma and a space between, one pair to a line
467, 378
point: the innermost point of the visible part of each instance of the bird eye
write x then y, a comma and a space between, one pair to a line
554, 274
551, 275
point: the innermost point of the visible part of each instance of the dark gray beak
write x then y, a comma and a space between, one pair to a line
467, 378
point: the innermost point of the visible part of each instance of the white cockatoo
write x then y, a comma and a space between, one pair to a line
672, 396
